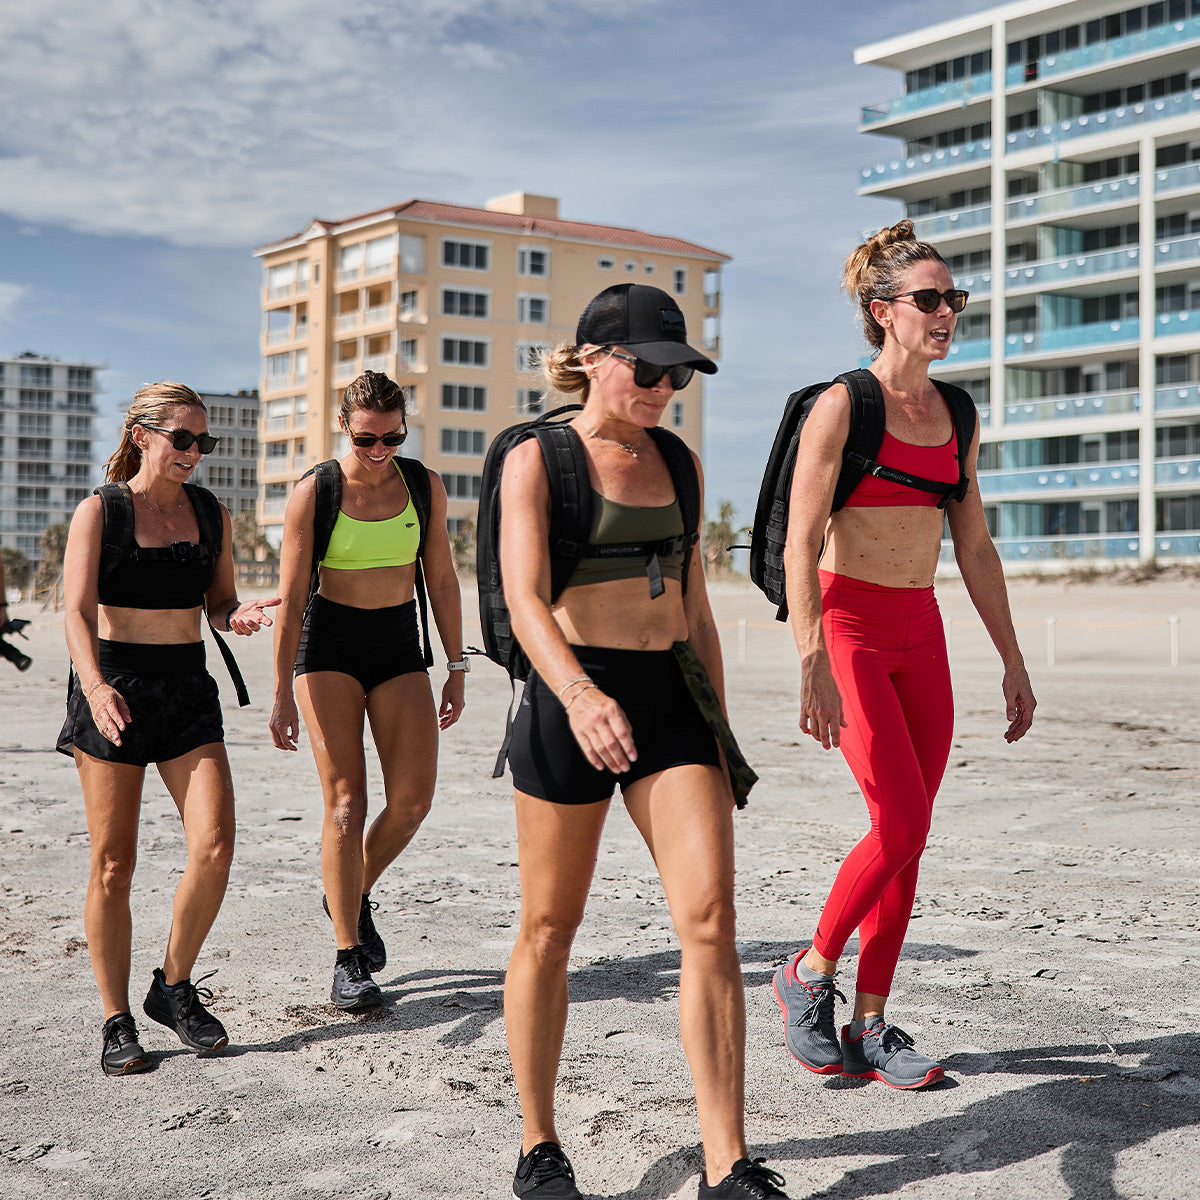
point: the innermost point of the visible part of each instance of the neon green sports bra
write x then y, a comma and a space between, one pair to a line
356, 545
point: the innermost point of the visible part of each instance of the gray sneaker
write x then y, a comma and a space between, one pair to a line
808, 1027
353, 988
885, 1052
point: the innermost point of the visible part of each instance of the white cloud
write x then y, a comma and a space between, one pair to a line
11, 295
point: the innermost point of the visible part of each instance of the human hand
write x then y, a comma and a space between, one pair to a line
453, 702
602, 730
250, 617
285, 723
1018, 703
110, 713
821, 705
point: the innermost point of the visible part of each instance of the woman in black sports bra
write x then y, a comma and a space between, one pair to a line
608, 703
145, 557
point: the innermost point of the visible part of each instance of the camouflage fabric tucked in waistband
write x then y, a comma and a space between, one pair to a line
741, 775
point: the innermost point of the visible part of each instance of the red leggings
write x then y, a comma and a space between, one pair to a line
887, 649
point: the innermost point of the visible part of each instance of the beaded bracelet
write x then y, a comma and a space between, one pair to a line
572, 683
87, 695
229, 616
589, 684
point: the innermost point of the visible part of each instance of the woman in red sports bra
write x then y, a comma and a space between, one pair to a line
875, 675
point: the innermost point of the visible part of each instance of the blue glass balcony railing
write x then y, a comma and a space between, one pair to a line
1092, 477
932, 160
941, 224
978, 350
979, 285
961, 91
1177, 471
1116, 49
1182, 395
1108, 191
1183, 249
1032, 550
1077, 266
1177, 545
1180, 104
1102, 333
1185, 176
1182, 321
1064, 408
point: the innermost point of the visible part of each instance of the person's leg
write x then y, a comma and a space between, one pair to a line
201, 786
404, 726
557, 845
685, 815
112, 798
332, 705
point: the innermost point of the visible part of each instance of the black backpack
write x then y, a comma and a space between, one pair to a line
570, 528
867, 420
327, 476
117, 543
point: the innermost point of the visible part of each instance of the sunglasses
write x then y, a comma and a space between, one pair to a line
364, 441
185, 439
928, 299
647, 374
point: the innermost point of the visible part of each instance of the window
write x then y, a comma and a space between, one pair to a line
412, 255
463, 397
680, 281
463, 441
79, 400
247, 477
35, 376
410, 354
677, 416
36, 423
248, 447
380, 254
279, 367
530, 402
351, 259
605, 264
464, 304
464, 352
648, 268
467, 256
275, 450
461, 487
79, 426
533, 310
78, 377
535, 262
33, 398
529, 355
630, 266
249, 418
408, 304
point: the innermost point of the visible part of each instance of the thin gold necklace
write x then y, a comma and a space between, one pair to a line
628, 447
155, 508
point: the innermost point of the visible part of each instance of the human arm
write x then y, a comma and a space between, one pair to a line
81, 595
295, 567
983, 576
445, 599
224, 609
597, 721
818, 464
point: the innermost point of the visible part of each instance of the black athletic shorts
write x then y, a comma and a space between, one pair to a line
668, 729
174, 705
371, 644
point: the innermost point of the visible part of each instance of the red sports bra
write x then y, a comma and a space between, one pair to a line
929, 462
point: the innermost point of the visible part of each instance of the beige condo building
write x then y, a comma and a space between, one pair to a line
455, 304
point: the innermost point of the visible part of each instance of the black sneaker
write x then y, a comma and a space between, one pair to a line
545, 1174
122, 1054
749, 1180
180, 1008
369, 941
353, 988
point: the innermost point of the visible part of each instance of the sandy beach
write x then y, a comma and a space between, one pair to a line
1051, 964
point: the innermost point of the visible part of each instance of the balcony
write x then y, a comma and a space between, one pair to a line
346, 369
1125, 117
1118, 49
1070, 337
346, 321
961, 92
978, 350
1177, 250
1062, 271
1064, 408
381, 314
1177, 545
1177, 472
1173, 178
979, 285
1092, 195
933, 160
1034, 550
1184, 395
1043, 481
1182, 321
943, 224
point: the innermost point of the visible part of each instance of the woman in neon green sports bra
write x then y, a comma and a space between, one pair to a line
355, 652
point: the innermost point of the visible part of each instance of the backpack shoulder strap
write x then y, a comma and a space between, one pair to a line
416, 480
868, 419
687, 488
965, 418
116, 500
570, 499
208, 517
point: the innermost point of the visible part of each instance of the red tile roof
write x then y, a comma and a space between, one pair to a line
459, 214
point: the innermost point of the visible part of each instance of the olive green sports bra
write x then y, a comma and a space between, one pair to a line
614, 523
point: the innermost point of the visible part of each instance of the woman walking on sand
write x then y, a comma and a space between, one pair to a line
875, 676
355, 653
608, 704
145, 556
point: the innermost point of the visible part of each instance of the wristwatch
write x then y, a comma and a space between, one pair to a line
463, 665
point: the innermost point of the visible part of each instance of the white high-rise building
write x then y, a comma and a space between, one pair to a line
1052, 153
47, 424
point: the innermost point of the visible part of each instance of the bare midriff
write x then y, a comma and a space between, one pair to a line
153, 626
893, 547
620, 615
371, 587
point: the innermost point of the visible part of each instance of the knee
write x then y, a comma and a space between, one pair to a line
410, 809
548, 941
215, 854
709, 924
113, 873
346, 810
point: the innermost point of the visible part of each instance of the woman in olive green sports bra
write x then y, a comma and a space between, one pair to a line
355, 653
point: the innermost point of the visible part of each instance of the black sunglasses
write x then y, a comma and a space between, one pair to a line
364, 441
928, 299
647, 374
185, 439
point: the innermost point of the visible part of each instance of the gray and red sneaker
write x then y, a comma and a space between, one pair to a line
885, 1052
808, 1027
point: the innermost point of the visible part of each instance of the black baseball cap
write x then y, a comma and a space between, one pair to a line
645, 320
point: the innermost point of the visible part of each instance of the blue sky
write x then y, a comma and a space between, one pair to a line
150, 147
